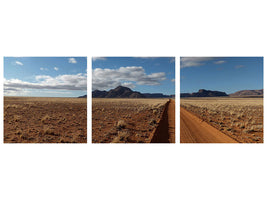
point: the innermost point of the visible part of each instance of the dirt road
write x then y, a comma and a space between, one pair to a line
171, 121
194, 130
165, 132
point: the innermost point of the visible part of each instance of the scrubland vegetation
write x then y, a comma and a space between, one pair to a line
125, 120
239, 118
45, 120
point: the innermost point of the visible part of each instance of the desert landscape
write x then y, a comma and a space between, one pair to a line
241, 119
133, 100
131, 120
45, 120
221, 100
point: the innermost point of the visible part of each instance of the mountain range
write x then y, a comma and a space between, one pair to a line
210, 93
204, 93
247, 93
125, 92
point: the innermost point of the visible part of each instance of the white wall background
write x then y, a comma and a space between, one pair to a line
132, 28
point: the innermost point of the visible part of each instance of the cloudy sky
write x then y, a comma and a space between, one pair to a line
143, 74
228, 74
45, 76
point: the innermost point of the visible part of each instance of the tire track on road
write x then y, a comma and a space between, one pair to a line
194, 130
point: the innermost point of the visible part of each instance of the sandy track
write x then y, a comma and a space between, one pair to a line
165, 132
171, 121
194, 130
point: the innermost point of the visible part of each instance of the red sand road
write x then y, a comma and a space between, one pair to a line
165, 132
194, 130
171, 121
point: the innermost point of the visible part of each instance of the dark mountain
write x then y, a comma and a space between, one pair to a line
204, 93
185, 95
99, 94
243, 93
84, 96
124, 92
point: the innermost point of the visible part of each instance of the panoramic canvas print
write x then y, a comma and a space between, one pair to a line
221, 100
133, 100
45, 100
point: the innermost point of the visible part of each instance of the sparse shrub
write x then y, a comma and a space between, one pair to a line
252, 129
121, 124
45, 118
16, 118
122, 137
242, 125
18, 132
49, 131
152, 122
12, 106
253, 122
259, 127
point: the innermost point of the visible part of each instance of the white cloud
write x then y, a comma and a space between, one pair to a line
43, 69
239, 66
110, 78
72, 60
219, 62
99, 58
15, 92
55, 68
194, 61
128, 84
18, 63
61, 82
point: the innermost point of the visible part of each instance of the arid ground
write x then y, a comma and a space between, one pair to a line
132, 121
221, 120
45, 120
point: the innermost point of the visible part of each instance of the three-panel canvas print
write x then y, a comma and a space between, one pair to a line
133, 100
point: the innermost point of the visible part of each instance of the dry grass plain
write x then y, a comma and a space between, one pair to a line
239, 118
45, 120
125, 120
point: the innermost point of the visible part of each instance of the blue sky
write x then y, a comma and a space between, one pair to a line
45, 76
227, 74
143, 74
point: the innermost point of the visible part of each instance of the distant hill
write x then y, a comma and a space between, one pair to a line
157, 95
84, 96
204, 93
124, 92
244, 93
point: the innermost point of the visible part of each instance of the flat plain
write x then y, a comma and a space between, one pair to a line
45, 120
125, 120
239, 118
